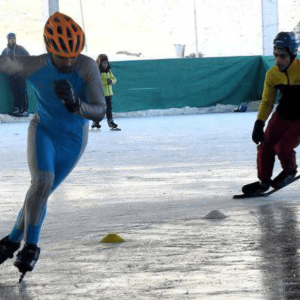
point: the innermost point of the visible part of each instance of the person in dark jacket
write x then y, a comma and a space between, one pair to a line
16, 82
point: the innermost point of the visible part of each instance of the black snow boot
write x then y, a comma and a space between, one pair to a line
283, 179
15, 113
96, 125
27, 258
7, 249
256, 188
112, 125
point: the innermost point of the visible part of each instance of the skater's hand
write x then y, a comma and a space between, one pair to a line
258, 135
64, 91
109, 81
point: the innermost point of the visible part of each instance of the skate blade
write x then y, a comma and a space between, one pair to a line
243, 196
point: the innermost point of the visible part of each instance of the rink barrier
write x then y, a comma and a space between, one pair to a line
176, 83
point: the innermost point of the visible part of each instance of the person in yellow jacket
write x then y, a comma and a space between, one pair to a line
282, 134
108, 80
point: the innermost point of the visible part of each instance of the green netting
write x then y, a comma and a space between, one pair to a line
176, 83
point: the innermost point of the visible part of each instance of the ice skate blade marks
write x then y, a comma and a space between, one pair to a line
266, 194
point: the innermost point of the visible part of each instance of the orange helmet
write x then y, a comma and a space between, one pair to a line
63, 37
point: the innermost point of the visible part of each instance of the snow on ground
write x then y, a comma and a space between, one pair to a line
153, 183
219, 108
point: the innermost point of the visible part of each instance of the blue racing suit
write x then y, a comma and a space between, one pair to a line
56, 137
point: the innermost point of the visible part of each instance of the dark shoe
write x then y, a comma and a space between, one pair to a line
15, 113
256, 188
27, 258
111, 124
24, 114
7, 249
96, 125
283, 179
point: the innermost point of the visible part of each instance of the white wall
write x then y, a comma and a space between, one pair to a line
269, 24
151, 27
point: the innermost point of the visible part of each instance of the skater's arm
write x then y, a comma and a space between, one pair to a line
20, 65
88, 102
268, 99
11, 65
94, 107
113, 78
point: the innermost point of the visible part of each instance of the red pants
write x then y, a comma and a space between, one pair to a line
281, 137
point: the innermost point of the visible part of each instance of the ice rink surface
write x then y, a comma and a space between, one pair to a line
153, 183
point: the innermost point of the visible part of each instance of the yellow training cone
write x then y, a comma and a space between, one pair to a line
112, 238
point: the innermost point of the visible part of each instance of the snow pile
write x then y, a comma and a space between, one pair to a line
219, 108
4, 118
215, 215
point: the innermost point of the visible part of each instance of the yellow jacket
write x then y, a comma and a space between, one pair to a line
288, 83
108, 91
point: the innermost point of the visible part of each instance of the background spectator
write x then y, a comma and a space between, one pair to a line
17, 83
108, 80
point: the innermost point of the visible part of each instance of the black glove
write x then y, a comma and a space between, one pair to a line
64, 90
109, 81
258, 135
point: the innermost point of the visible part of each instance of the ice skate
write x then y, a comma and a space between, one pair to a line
26, 259
283, 179
113, 126
15, 113
24, 114
96, 125
256, 188
7, 249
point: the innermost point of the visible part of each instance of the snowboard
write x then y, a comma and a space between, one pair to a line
266, 194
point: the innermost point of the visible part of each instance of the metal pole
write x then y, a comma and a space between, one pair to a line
263, 27
53, 6
86, 47
269, 15
196, 34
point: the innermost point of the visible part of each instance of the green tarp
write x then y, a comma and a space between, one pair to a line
176, 83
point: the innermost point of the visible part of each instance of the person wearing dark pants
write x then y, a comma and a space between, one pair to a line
282, 134
19, 90
108, 80
17, 83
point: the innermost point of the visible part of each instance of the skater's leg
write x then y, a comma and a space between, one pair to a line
49, 166
41, 156
285, 148
69, 151
266, 156
287, 155
266, 150
109, 116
